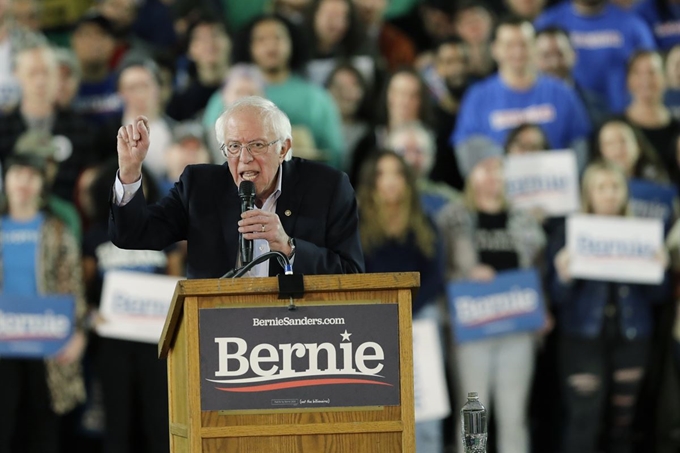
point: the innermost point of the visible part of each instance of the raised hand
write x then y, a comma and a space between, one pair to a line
132, 145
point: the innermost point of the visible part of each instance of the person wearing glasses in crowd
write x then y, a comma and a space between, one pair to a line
305, 210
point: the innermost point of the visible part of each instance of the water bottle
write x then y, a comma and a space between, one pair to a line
473, 425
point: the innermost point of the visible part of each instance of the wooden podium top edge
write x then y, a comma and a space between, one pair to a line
313, 283
269, 285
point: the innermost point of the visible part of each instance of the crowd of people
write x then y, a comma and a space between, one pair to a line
419, 102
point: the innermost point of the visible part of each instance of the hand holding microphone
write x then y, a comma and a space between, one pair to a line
259, 224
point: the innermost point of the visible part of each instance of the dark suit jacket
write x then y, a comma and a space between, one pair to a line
204, 209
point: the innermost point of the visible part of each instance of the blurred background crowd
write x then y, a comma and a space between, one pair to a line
417, 101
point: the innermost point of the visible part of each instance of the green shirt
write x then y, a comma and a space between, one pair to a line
67, 213
238, 13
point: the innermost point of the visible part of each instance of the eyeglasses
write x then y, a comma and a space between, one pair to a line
233, 149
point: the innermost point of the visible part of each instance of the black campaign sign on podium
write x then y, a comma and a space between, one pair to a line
318, 356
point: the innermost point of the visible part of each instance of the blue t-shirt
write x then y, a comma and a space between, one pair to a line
19, 254
603, 44
490, 108
665, 25
98, 100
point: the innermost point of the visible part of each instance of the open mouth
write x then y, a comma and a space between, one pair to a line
249, 175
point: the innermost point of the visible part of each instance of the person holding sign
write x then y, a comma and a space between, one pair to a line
605, 330
483, 238
39, 257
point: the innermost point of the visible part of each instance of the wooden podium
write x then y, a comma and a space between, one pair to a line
379, 429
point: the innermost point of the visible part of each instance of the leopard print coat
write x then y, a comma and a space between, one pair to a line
59, 271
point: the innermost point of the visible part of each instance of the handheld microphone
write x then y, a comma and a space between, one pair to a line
246, 192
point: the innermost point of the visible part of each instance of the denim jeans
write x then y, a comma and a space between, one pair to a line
588, 372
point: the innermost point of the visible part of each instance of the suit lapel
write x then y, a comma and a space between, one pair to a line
288, 204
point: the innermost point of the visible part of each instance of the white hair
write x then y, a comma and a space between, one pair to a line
272, 117
245, 71
425, 137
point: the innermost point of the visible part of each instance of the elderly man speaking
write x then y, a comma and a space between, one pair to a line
303, 209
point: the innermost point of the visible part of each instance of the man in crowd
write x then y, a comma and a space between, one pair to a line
556, 56
518, 94
13, 38
604, 37
94, 44
37, 72
447, 80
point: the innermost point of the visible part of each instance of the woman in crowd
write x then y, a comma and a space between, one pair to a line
647, 85
397, 236
483, 237
38, 257
350, 92
605, 330
405, 100
205, 66
336, 33
619, 142
526, 138
133, 380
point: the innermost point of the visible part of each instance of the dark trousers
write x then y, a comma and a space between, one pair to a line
135, 394
25, 406
601, 381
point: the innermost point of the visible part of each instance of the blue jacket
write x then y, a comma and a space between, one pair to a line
580, 304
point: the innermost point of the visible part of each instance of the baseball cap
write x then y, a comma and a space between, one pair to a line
188, 130
27, 160
477, 149
36, 143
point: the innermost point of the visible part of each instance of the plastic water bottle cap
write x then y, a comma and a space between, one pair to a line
473, 395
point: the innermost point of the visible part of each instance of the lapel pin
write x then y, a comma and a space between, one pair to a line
288, 213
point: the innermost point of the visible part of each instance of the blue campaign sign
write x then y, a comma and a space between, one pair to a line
33, 327
510, 303
652, 200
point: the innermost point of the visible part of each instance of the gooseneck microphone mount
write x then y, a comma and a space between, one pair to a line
291, 286
240, 271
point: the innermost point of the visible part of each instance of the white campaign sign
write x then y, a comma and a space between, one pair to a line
431, 394
134, 305
622, 249
545, 180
